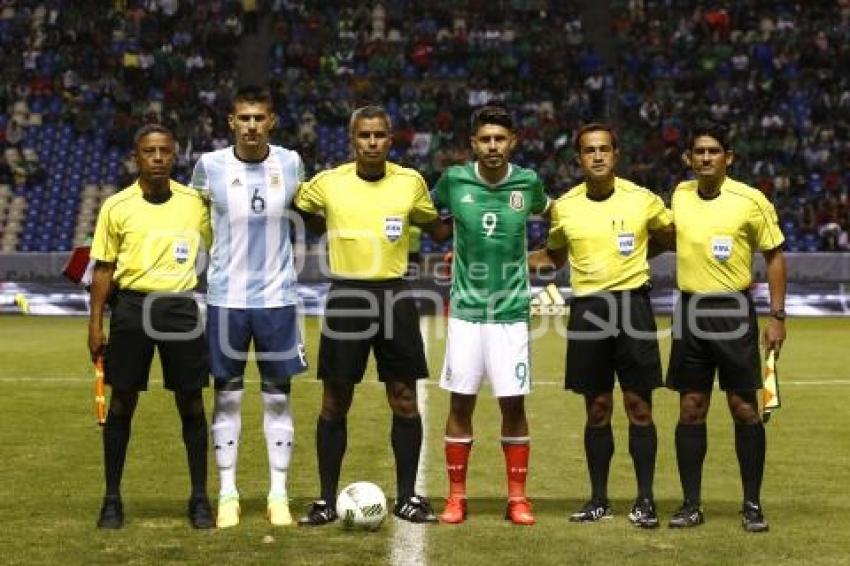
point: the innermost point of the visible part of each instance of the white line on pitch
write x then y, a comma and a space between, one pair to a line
408, 542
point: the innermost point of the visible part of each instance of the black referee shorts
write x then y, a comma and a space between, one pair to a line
371, 315
612, 334
172, 326
715, 333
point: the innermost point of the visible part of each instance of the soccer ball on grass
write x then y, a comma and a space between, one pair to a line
361, 505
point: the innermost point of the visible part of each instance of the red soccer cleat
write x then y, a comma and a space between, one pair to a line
455, 510
519, 512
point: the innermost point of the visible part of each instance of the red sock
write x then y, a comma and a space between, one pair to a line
516, 463
457, 458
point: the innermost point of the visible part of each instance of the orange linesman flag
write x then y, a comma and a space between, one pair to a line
770, 392
99, 392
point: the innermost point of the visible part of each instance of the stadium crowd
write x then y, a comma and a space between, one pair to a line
78, 79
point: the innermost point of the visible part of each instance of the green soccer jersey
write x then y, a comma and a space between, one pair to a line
490, 267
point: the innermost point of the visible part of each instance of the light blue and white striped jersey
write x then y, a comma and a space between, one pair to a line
251, 264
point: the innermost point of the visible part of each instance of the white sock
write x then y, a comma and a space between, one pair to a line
226, 427
277, 425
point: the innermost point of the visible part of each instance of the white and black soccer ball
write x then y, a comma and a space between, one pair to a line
361, 505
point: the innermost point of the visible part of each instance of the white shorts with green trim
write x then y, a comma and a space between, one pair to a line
497, 351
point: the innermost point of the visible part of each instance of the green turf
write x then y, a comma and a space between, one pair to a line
51, 470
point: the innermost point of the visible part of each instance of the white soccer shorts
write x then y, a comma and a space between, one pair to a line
495, 350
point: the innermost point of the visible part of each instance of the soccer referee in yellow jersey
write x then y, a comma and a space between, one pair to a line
720, 223
369, 206
603, 228
145, 244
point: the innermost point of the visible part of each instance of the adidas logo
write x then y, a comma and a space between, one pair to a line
549, 301
236, 182
467, 198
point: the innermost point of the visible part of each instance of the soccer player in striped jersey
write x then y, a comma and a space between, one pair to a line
251, 294
720, 223
491, 200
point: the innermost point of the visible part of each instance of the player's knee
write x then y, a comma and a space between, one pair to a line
745, 413
336, 402
693, 409
190, 404
692, 414
744, 410
513, 408
123, 403
275, 405
404, 405
462, 406
401, 396
638, 406
228, 402
599, 409
332, 411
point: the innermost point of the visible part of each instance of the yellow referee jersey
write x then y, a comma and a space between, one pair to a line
716, 238
368, 221
154, 246
607, 239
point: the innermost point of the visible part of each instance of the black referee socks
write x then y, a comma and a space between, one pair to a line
643, 446
691, 446
116, 437
750, 448
196, 443
406, 438
599, 448
331, 441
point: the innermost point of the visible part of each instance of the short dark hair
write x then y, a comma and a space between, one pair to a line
494, 114
369, 111
253, 94
716, 130
595, 127
149, 129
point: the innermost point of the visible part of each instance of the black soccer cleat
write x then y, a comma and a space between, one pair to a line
200, 512
752, 518
319, 513
111, 513
415, 509
593, 510
688, 515
643, 514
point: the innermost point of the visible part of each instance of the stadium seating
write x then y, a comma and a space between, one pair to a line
767, 68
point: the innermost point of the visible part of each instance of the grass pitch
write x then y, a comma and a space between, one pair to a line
52, 471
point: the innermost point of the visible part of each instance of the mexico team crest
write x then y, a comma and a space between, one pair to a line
517, 200
393, 227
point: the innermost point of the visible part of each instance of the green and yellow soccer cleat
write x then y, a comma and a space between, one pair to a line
277, 511
228, 512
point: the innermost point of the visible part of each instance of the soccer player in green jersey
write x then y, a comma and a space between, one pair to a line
491, 200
